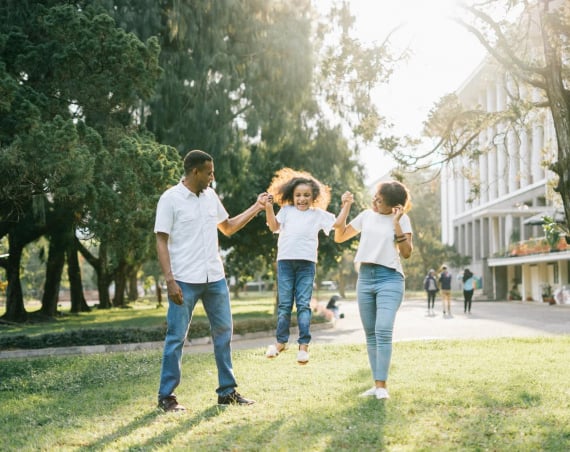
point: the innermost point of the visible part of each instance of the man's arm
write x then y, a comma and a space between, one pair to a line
174, 290
232, 225
270, 215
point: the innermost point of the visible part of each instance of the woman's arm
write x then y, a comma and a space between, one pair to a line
404, 241
342, 232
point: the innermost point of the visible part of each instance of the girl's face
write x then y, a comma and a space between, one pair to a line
303, 197
379, 206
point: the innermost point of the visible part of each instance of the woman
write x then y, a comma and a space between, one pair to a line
468, 289
386, 234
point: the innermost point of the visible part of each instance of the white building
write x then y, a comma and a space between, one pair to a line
485, 202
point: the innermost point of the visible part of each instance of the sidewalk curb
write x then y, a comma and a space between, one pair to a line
113, 348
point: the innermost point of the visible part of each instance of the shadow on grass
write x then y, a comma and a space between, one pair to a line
161, 439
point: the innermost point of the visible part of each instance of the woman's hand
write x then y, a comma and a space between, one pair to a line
398, 211
347, 197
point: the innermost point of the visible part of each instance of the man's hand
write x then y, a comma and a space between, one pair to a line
174, 292
262, 200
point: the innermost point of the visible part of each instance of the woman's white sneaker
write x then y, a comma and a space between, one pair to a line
369, 393
382, 393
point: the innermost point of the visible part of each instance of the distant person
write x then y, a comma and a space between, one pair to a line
302, 200
333, 307
468, 289
445, 286
385, 235
430, 286
188, 217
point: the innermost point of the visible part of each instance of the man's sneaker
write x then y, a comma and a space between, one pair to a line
369, 393
303, 357
382, 393
170, 404
234, 398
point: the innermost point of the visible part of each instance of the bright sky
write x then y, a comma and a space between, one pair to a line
443, 55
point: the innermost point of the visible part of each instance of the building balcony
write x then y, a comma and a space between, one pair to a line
536, 246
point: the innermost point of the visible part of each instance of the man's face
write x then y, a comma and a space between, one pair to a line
204, 175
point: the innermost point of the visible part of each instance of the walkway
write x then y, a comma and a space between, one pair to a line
488, 319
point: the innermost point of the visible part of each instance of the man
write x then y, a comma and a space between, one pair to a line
187, 219
445, 285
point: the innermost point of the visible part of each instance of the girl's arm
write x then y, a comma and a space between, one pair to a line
270, 215
342, 232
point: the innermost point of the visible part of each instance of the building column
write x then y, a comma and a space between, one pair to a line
502, 173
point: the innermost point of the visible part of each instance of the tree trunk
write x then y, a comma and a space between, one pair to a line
78, 302
15, 310
54, 269
158, 291
559, 100
120, 285
133, 289
99, 264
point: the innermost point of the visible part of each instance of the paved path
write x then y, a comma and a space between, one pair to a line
488, 319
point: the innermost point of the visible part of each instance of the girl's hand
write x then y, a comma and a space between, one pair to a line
347, 197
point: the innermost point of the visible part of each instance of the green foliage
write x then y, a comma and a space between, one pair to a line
552, 230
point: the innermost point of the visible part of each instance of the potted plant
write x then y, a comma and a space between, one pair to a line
554, 230
547, 295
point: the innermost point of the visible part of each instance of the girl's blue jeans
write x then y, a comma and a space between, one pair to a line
380, 291
295, 280
216, 300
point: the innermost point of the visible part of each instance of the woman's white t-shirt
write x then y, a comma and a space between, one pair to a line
299, 232
377, 244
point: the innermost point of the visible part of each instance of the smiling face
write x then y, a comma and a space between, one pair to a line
303, 197
203, 176
380, 206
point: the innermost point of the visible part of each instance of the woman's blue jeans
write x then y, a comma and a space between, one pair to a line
380, 291
216, 300
295, 279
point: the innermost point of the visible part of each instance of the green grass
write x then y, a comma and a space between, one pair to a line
141, 314
502, 394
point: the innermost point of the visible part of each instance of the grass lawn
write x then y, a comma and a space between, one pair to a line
472, 395
140, 314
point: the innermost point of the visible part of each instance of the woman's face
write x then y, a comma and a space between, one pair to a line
303, 197
379, 206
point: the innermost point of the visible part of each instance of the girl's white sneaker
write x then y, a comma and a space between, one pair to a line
271, 351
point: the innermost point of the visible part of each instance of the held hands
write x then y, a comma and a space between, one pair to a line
263, 199
347, 198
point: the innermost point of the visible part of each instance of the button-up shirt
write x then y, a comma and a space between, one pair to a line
191, 223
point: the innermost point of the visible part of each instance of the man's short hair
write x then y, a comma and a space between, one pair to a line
196, 158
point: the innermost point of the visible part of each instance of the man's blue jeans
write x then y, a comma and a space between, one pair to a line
380, 291
295, 280
216, 300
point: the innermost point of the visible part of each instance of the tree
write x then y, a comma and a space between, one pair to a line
531, 44
71, 80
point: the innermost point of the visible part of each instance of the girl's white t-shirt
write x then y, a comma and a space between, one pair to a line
377, 244
299, 232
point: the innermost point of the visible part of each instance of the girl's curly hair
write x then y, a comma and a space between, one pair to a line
286, 180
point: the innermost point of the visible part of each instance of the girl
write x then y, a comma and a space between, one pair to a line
303, 201
386, 234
